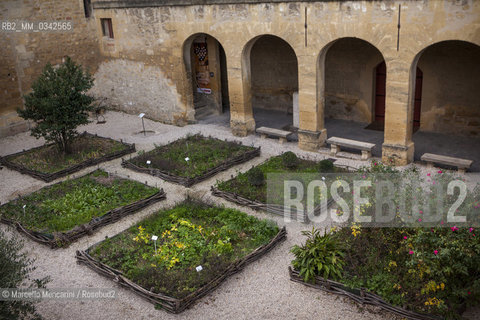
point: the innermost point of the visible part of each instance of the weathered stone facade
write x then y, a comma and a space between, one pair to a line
147, 66
23, 55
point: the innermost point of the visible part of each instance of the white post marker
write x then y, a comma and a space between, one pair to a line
141, 115
24, 206
154, 238
199, 268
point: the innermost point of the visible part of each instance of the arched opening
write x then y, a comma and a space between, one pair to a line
353, 86
206, 66
273, 79
380, 94
449, 119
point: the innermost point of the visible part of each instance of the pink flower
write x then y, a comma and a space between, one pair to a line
410, 252
421, 212
433, 182
441, 222
469, 292
439, 171
375, 164
470, 230
405, 237
435, 252
420, 220
428, 174
454, 228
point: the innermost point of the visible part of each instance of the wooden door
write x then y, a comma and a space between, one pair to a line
380, 84
418, 99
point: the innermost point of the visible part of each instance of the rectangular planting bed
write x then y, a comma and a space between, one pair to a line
198, 246
61, 213
192, 159
47, 163
246, 191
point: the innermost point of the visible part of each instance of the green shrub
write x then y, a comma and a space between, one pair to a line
15, 269
325, 166
319, 256
256, 177
290, 160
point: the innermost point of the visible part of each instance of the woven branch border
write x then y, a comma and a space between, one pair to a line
188, 182
360, 296
63, 239
276, 209
170, 304
48, 177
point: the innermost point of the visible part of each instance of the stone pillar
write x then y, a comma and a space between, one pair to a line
241, 113
398, 146
311, 131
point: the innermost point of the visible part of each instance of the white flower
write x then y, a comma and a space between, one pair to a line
323, 178
148, 161
187, 159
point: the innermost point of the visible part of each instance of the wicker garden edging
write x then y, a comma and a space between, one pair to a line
47, 177
63, 239
360, 296
170, 304
271, 208
188, 182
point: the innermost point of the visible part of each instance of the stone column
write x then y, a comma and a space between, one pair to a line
311, 131
398, 146
239, 83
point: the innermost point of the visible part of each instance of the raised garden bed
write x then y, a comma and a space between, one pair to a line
360, 296
61, 213
47, 163
198, 247
241, 191
192, 159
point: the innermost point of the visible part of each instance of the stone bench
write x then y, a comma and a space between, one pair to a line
365, 147
461, 164
281, 134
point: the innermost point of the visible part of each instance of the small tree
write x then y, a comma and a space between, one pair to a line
58, 103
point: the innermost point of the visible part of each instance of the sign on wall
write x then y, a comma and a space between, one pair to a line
202, 74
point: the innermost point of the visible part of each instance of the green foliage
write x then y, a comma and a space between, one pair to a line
62, 206
189, 235
203, 155
15, 270
321, 255
290, 160
256, 177
48, 159
58, 103
326, 166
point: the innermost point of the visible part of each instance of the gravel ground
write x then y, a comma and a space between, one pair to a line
261, 291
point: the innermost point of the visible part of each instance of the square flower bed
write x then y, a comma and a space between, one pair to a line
197, 247
61, 213
47, 163
192, 159
250, 188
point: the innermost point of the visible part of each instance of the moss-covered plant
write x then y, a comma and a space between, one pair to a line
256, 177
290, 160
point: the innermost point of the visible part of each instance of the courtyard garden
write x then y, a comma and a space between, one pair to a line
191, 159
178, 255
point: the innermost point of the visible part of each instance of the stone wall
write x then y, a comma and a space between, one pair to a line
451, 82
350, 80
24, 54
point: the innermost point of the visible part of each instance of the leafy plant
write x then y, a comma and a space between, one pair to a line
59, 104
290, 160
256, 177
321, 255
15, 270
325, 166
